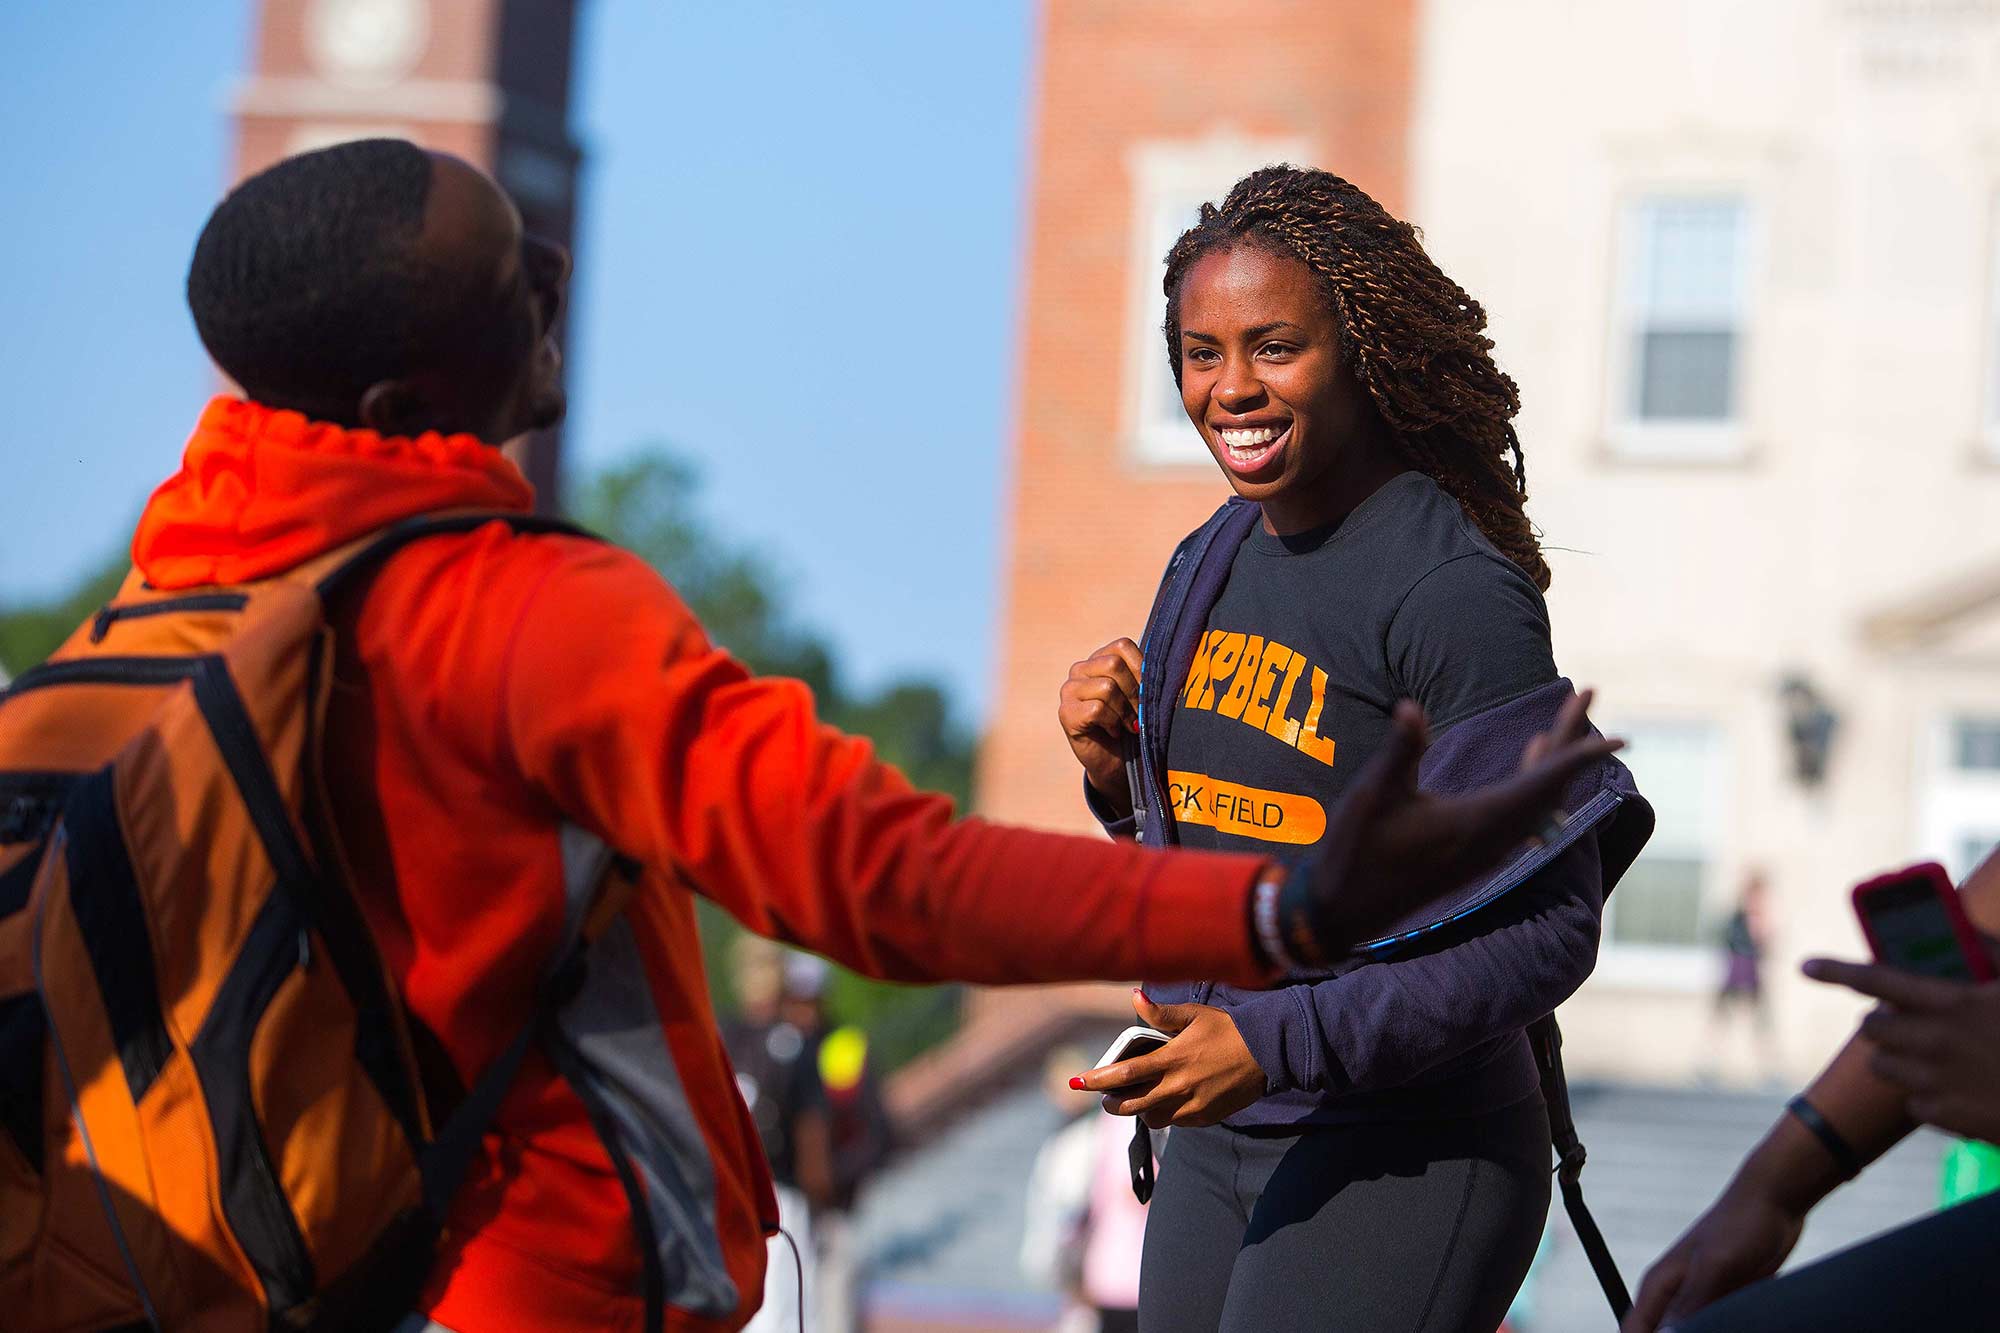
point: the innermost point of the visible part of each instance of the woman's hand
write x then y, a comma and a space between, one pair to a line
1203, 1076
1741, 1239
1937, 1041
1099, 709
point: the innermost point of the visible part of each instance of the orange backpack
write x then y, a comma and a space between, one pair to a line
210, 1112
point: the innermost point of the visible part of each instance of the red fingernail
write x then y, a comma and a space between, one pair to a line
1076, 1084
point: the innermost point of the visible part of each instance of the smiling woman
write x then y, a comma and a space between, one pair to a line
1334, 282
1264, 377
1375, 1141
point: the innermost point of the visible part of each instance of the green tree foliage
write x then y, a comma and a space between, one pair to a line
30, 633
650, 505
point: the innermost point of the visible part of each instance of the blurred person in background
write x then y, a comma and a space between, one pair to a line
1928, 1054
1746, 940
1058, 1192
777, 1072
1085, 1230
854, 1123
1370, 1143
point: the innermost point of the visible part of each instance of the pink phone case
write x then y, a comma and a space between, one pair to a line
1933, 874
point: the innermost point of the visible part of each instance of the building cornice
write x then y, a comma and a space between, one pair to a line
411, 99
1920, 621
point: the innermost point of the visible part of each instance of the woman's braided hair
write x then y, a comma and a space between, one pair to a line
1413, 337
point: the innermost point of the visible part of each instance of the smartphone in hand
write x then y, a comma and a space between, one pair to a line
1914, 922
1132, 1043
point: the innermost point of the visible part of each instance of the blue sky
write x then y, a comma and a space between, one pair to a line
798, 255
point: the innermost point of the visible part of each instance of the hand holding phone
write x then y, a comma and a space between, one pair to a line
1932, 1031
1133, 1042
1914, 922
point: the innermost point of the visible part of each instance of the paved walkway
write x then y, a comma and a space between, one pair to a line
1659, 1156
942, 1228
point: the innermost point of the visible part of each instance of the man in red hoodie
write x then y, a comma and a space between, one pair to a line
389, 325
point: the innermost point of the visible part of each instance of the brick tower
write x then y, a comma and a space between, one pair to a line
1144, 109
488, 80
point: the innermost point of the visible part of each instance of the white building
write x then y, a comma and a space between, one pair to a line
1741, 258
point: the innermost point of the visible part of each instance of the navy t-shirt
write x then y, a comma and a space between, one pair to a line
1315, 638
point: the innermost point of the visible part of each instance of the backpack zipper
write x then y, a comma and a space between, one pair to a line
29, 803
198, 601
106, 671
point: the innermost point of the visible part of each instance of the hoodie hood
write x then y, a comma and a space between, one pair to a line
262, 490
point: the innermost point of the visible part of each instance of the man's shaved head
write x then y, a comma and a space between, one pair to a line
373, 283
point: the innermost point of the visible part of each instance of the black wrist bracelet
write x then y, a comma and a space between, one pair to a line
1295, 923
1838, 1148
1258, 948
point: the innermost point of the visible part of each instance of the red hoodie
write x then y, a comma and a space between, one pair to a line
495, 686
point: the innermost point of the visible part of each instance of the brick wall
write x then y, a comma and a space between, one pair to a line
1089, 526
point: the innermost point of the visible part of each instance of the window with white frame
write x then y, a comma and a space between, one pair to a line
1171, 180
1993, 342
1661, 900
1164, 435
1961, 815
1682, 309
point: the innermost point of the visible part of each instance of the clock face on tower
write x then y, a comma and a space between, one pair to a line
366, 43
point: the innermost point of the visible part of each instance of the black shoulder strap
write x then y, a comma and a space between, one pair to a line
1546, 1039
443, 1162
395, 537
1169, 652
1140, 1157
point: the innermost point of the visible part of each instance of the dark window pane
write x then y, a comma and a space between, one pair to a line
1658, 902
1972, 849
1978, 743
1687, 375
1172, 414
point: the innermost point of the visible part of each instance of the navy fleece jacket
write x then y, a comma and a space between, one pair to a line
1429, 1019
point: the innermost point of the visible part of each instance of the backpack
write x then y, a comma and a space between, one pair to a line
211, 1111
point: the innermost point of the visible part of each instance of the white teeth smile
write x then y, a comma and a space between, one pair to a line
1249, 441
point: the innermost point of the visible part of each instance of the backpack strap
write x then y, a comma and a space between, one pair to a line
587, 865
595, 880
342, 569
1194, 579
1546, 1040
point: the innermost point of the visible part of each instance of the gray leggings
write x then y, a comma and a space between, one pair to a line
1417, 1227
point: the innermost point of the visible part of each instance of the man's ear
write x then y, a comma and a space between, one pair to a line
396, 407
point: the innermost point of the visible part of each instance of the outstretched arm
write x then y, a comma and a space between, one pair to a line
632, 722
623, 714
